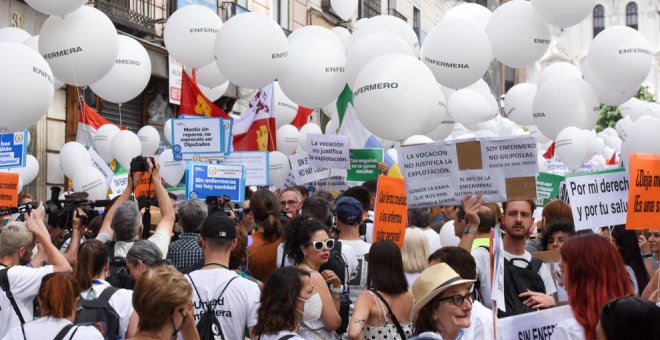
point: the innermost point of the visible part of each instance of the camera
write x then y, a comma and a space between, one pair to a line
139, 164
218, 205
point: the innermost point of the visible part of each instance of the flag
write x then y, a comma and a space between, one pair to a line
254, 129
193, 101
302, 117
89, 121
550, 152
612, 161
349, 123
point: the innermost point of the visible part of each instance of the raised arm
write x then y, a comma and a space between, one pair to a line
167, 216
35, 223
107, 218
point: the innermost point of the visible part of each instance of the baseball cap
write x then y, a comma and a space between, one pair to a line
220, 227
349, 210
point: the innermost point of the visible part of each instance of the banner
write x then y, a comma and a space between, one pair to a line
547, 188
197, 136
256, 166
391, 210
598, 199
535, 325
119, 182
99, 163
13, 149
303, 170
364, 164
644, 195
180, 193
328, 151
203, 180
8, 189
175, 72
441, 173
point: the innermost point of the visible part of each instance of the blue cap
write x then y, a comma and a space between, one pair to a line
349, 210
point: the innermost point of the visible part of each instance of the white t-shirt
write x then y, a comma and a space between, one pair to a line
121, 301
434, 240
48, 327
358, 281
236, 310
24, 283
369, 236
159, 238
67, 242
481, 323
568, 329
279, 335
347, 253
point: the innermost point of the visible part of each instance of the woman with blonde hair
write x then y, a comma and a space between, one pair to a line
415, 253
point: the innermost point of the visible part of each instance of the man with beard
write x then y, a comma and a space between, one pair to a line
515, 223
17, 280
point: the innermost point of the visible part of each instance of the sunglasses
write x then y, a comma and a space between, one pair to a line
318, 245
458, 300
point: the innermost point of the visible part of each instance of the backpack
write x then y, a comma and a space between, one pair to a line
99, 314
208, 326
64, 331
338, 265
518, 280
118, 273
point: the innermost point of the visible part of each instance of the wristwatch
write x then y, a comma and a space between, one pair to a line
468, 230
336, 291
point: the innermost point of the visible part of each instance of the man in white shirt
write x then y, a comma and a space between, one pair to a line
16, 242
420, 218
236, 307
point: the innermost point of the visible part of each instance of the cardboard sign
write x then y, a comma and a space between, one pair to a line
644, 195
547, 188
8, 189
304, 171
256, 165
598, 199
364, 164
99, 163
535, 325
197, 136
13, 149
328, 151
203, 180
391, 210
441, 173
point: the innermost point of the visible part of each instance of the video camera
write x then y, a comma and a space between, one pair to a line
219, 205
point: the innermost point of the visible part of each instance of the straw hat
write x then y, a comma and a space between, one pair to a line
433, 281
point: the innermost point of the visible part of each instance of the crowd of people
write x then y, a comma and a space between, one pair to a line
290, 264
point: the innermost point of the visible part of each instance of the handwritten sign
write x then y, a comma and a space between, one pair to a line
535, 325
13, 149
644, 195
8, 189
256, 165
197, 136
328, 151
391, 210
364, 164
304, 171
598, 199
205, 180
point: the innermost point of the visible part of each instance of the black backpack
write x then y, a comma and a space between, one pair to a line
208, 326
518, 280
338, 265
99, 314
118, 274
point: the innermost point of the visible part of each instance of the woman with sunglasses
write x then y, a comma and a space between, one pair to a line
308, 244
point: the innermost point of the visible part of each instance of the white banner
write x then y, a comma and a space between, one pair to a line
328, 151
304, 172
98, 163
535, 325
197, 136
176, 73
256, 165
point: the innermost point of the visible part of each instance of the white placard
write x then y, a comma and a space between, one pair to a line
176, 73
256, 165
98, 163
119, 183
535, 325
518, 157
197, 136
304, 172
328, 151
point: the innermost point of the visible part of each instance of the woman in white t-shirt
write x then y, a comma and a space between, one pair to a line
91, 270
415, 253
58, 299
287, 299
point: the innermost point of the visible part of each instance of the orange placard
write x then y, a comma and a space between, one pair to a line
391, 215
8, 189
143, 188
644, 193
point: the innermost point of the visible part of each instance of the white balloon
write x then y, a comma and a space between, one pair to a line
468, 106
307, 129
81, 47
343, 34
390, 24
484, 90
33, 43
251, 50
477, 14
315, 72
58, 8
643, 137
540, 137
441, 113
634, 108
620, 57
126, 146
572, 147
90, 180
517, 34
14, 34
416, 139
190, 33
73, 156
370, 47
288, 138
542, 162
278, 168
27, 90
563, 13
30, 171
518, 103
209, 75
285, 109
167, 131
19, 187
149, 139
622, 126
606, 94
565, 101
171, 170
457, 60
215, 93
344, 8
102, 141
129, 76
448, 236
558, 69
389, 86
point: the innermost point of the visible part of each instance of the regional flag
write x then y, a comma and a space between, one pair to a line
254, 129
89, 121
302, 117
193, 102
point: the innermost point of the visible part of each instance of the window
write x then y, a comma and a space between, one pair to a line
281, 12
631, 15
369, 8
509, 78
599, 19
417, 22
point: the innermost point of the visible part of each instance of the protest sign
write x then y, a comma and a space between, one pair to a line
197, 136
441, 173
256, 165
598, 199
644, 196
533, 326
175, 74
547, 188
100, 164
179, 192
13, 149
304, 172
227, 126
328, 151
203, 180
364, 164
391, 210
119, 182
144, 187
8, 189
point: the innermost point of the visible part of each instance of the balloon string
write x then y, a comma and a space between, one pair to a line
120, 123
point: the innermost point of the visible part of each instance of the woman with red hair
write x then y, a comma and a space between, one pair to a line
593, 274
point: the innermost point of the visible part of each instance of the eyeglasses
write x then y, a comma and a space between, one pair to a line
457, 299
292, 202
318, 245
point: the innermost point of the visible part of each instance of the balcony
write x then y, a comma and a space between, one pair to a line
137, 16
394, 12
